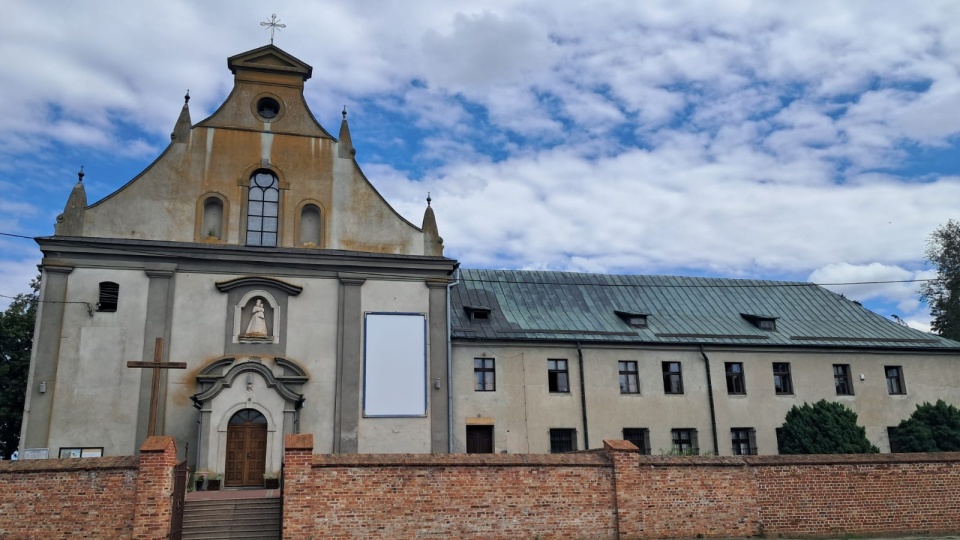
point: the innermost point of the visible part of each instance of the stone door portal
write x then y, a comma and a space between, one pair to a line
246, 449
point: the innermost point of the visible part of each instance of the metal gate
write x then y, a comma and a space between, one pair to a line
179, 490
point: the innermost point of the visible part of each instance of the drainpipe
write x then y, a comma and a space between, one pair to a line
456, 281
199, 406
713, 411
296, 413
583, 400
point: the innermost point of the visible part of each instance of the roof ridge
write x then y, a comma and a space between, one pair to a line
600, 277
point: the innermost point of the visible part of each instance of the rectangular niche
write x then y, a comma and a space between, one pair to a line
395, 364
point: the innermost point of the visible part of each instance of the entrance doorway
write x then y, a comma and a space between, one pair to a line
246, 449
479, 439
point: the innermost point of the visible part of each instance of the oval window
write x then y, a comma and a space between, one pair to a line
268, 108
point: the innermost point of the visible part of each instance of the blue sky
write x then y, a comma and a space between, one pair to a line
778, 140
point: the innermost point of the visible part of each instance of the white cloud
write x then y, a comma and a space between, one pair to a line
845, 278
16, 272
733, 137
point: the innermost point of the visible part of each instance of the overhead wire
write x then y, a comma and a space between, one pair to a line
728, 282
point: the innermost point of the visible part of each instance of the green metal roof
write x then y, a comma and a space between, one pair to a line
567, 306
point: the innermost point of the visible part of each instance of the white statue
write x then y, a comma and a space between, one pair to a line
258, 322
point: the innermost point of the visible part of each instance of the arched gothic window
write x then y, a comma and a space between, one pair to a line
263, 201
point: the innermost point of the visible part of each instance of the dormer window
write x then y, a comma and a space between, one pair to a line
636, 320
477, 313
767, 323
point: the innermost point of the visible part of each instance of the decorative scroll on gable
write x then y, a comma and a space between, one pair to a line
222, 374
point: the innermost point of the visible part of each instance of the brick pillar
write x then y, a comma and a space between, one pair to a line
626, 482
158, 458
297, 462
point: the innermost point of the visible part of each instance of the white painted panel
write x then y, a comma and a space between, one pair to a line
395, 364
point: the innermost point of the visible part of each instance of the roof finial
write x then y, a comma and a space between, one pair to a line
344, 113
186, 98
428, 198
274, 24
80, 175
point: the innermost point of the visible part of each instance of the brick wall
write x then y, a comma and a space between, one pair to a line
447, 496
858, 494
615, 493
679, 496
86, 498
64, 498
154, 509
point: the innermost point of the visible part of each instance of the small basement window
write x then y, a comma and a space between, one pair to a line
109, 296
636, 320
763, 322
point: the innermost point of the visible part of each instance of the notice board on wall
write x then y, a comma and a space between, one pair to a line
395, 364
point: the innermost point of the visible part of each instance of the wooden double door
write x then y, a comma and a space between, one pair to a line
479, 439
246, 449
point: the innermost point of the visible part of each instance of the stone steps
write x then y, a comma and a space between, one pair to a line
234, 518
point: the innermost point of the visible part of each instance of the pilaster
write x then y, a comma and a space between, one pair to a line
157, 324
439, 389
48, 331
346, 420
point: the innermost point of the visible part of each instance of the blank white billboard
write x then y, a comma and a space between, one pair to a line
395, 364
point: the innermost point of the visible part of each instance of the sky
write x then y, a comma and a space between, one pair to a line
812, 141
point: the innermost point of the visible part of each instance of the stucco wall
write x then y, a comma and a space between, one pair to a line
523, 410
94, 382
92, 378
219, 156
392, 435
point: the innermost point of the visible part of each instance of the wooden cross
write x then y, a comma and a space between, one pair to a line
156, 366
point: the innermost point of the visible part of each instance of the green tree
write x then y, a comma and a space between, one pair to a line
942, 293
16, 340
931, 428
824, 428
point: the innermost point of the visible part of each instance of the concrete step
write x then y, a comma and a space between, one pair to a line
249, 522
220, 510
232, 518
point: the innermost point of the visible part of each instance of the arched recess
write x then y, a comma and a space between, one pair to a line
225, 419
276, 295
230, 385
309, 224
247, 441
212, 217
272, 317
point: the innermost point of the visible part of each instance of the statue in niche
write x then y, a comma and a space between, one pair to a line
258, 322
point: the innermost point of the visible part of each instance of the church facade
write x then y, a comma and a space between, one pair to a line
251, 282
254, 251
